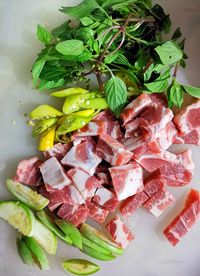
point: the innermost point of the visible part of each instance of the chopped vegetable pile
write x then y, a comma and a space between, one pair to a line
107, 152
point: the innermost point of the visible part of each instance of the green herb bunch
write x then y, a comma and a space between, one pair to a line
123, 39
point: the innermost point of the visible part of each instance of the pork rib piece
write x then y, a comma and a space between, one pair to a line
133, 129
167, 136
134, 108
178, 174
28, 172
193, 138
184, 221
127, 180
85, 183
82, 155
188, 119
74, 214
159, 202
159, 99
106, 199
105, 115
131, 204
153, 183
53, 174
112, 151
97, 213
119, 232
59, 150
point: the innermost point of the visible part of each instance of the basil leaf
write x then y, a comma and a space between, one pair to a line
116, 94
43, 35
169, 53
46, 85
175, 94
82, 10
122, 60
71, 47
37, 69
110, 58
86, 21
63, 31
177, 34
160, 84
154, 67
193, 91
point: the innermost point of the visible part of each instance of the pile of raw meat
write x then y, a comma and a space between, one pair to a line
121, 165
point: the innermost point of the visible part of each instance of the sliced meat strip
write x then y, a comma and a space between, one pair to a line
119, 232
53, 174
82, 155
105, 115
97, 213
153, 183
85, 183
188, 118
28, 172
132, 203
127, 180
106, 199
98, 128
193, 138
184, 221
59, 150
74, 214
112, 151
159, 202
178, 174
134, 108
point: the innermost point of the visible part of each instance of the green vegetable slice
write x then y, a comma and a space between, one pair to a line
98, 103
27, 195
44, 111
99, 238
70, 230
38, 253
45, 237
19, 216
97, 255
80, 267
95, 246
69, 92
24, 252
49, 223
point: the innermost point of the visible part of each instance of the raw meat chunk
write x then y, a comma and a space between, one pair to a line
53, 174
74, 214
85, 183
167, 136
119, 232
82, 155
178, 174
127, 180
184, 221
112, 151
133, 129
153, 183
106, 199
159, 99
28, 172
134, 108
193, 137
188, 118
105, 115
131, 204
159, 202
59, 150
97, 213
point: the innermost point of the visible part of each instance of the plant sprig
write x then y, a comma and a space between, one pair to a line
123, 39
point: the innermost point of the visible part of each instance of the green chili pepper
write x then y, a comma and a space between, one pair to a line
43, 125
98, 103
69, 92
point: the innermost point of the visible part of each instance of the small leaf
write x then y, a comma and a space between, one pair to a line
193, 91
43, 35
175, 94
177, 34
116, 94
62, 31
71, 47
37, 69
169, 53
122, 60
110, 58
46, 85
86, 21
109, 3
166, 25
160, 84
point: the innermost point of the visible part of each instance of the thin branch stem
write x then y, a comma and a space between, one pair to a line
136, 20
175, 70
100, 82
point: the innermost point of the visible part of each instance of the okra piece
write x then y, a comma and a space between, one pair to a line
41, 126
80, 267
24, 252
44, 112
97, 255
69, 92
95, 246
98, 103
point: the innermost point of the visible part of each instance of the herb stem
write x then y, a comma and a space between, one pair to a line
100, 82
136, 20
175, 70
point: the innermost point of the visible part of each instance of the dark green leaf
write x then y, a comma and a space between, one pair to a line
71, 47
193, 91
37, 69
175, 94
110, 58
116, 94
82, 10
54, 73
110, 3
46, 85
177, 34
166, 25
154, 67
85, 56
86, 21
160, 84
43, 35
169, 53
122, 60
63, 31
